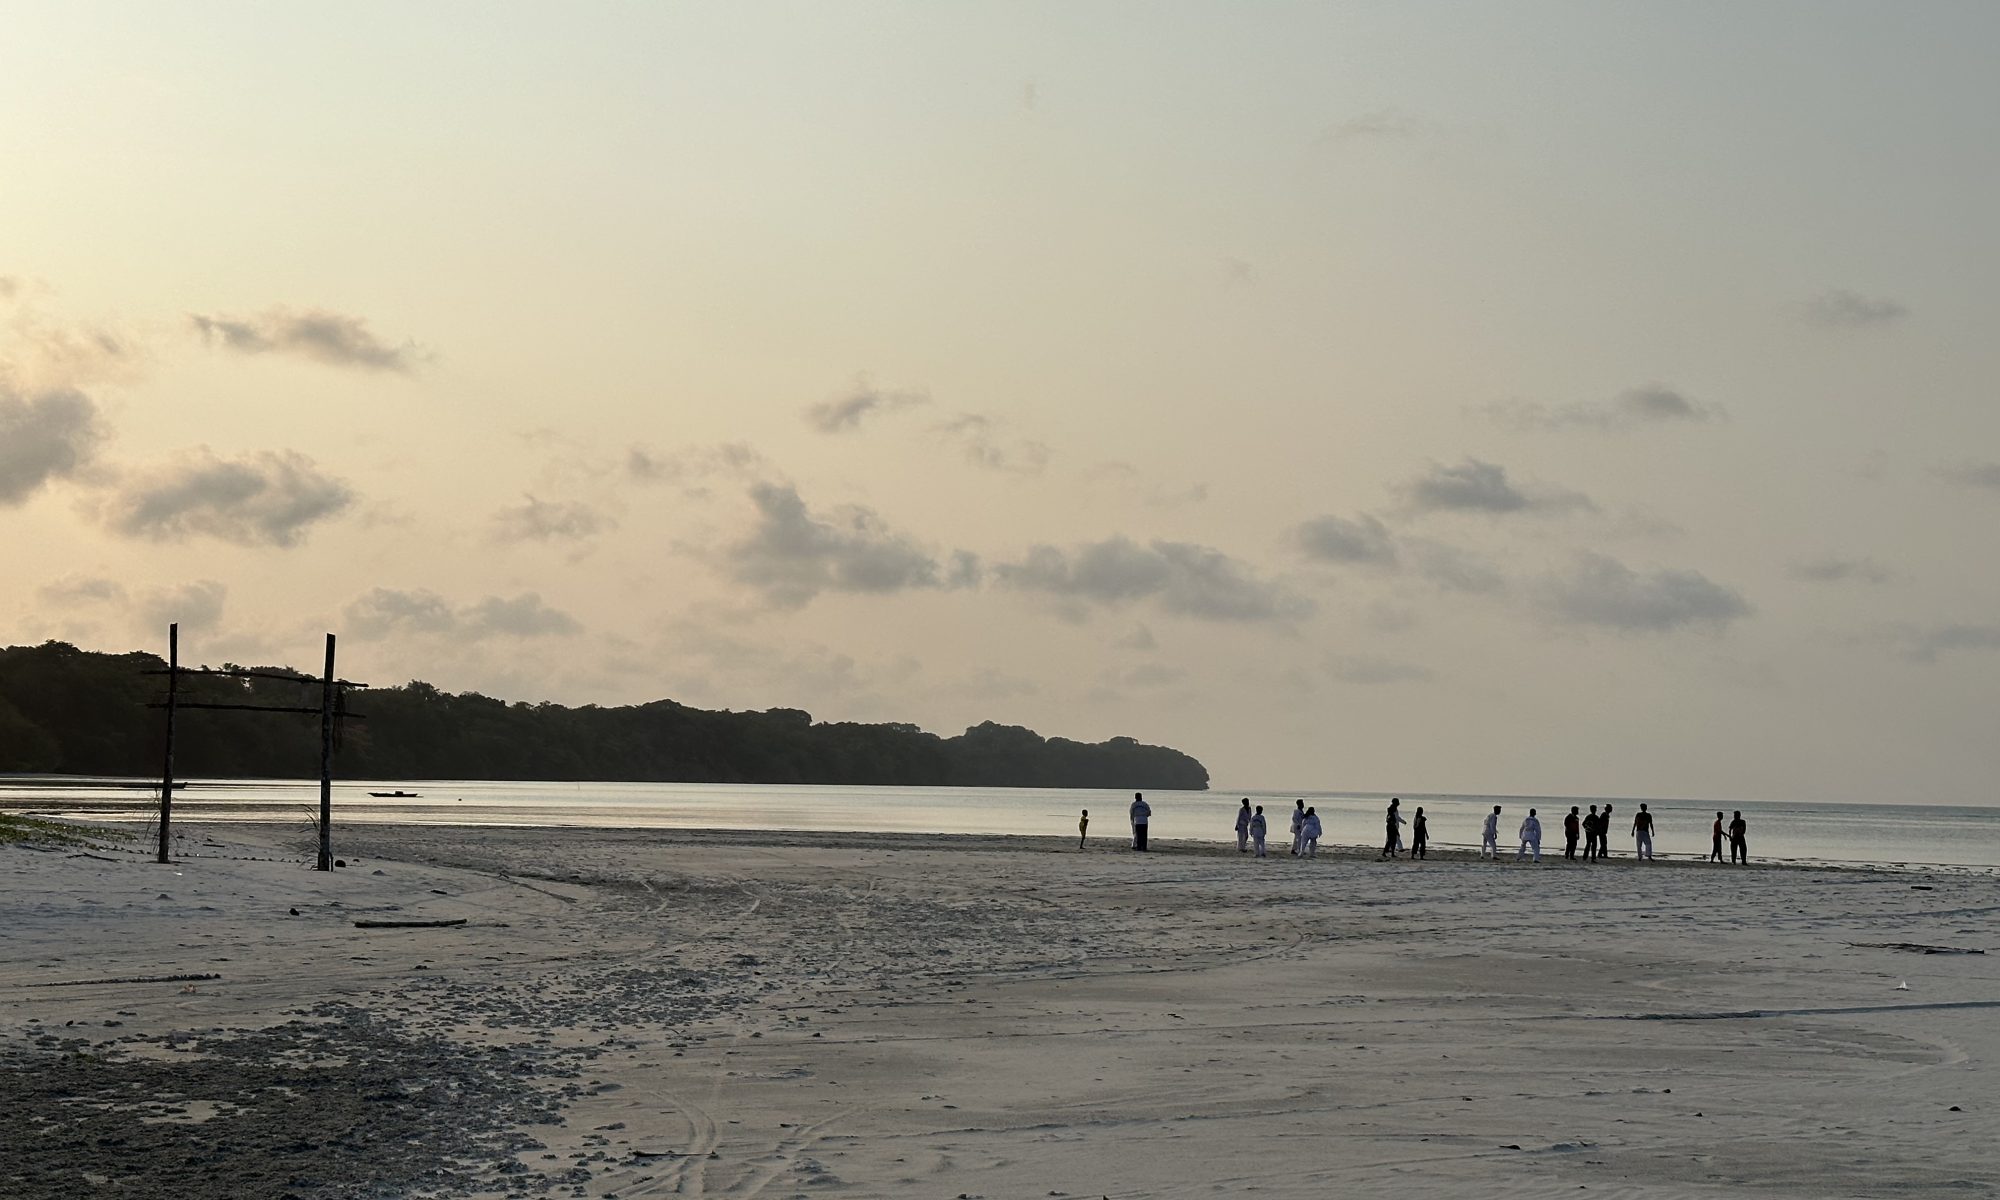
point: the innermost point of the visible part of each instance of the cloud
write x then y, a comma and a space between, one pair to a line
270, 498
1180, 578
382, 612
1971, 474
1833, 569
690, 466
1928, 645
1600, 591
844, 414
792, 556
1139, 638
1339, 540
72, 591
548, 521
1370, 126
1651, 406
43, 436
518, 616
1454, 568
978, 438
194, 606
1149, 675
1838, 308
1372, 670
1483, 487
329, 338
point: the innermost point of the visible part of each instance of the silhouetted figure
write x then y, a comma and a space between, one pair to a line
1739, 844
1590, 835
1083, 829
1309, 830
1243, 826
1715, 842
1142, 812
1420, 835
1489, 835
1257, 830
1298, 823
1571, 827
1394, 841
1604, 833
1531, 838
1642, 835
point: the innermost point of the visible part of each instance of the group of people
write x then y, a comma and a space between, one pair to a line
1594, 828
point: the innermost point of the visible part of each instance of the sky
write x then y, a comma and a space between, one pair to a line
1535, 398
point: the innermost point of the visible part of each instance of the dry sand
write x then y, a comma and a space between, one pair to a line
652, 1013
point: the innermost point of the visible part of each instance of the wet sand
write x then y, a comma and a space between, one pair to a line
652, 1013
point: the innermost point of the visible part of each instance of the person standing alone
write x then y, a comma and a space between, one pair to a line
1083, 829
1141, 813
1642, 835
1243, 826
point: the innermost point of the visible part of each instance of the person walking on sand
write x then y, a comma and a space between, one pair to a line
1531, 838
1083, 829
1715, 840
1394, 841
1243, 826
1420, 835
1309, 830
1489, 836
1257, 830
1571, 825
1642, 835
1298, 823
1739, 844
1590, 835
1142, 812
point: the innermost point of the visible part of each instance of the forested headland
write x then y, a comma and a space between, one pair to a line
79, 712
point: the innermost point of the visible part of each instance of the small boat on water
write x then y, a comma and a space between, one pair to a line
395, 795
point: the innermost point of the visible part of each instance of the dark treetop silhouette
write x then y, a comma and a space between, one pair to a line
70, 711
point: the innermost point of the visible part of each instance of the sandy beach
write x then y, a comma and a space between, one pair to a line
652, 1013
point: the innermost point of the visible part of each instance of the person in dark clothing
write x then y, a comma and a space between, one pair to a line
1590, 835
1243, 826
1142, 814
1420, 835
1642, 835
1604, 833
1739, 845
1571, 826
1715, 844
1395, 835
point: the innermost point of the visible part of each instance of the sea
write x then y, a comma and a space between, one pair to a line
1888, 835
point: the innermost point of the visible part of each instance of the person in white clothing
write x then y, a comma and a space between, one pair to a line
1298, 823
1531, 838
1243, 826
1309, 831
1489, 835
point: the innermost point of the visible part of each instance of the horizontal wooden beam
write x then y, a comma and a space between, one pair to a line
242, 673
276, 708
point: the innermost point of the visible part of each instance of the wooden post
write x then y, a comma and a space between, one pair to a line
167, 775
326, 762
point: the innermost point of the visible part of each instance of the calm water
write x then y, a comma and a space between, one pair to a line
1859, 833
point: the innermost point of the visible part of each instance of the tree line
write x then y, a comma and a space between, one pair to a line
79, 712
